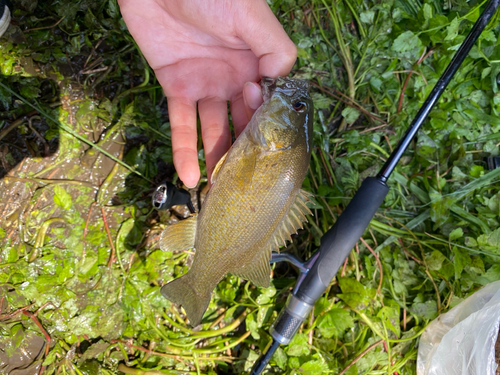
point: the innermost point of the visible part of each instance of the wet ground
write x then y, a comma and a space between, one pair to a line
73, 219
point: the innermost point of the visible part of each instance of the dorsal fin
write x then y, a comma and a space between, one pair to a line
179, 236
217, 168
258, 270
293, 220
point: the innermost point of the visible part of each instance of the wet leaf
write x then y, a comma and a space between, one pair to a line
62, 198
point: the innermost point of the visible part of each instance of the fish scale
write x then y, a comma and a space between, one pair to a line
255, 202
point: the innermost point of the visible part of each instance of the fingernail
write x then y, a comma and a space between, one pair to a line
252, 95
190, 182
189, 185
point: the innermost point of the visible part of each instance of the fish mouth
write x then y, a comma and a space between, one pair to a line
288, 86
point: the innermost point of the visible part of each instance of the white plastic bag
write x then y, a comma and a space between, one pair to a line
462, 341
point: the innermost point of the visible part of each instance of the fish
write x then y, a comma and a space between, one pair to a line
255, 202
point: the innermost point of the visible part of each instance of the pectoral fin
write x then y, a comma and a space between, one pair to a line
179, 236
245, 171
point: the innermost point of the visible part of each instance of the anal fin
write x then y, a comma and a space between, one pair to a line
257, 270
179, 236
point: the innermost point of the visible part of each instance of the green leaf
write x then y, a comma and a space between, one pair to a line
406, 41
490, 242
390, 316
427, 11
265, 295
493, 273
367, 16
62, 198
426, 310
51, 358
354, 293
298, 346
252, 326
456, 234
476, 171
460, 260
440, 207
280, 358
313, 367
452, 29
335, 322
350, 114
376, 83
435, 260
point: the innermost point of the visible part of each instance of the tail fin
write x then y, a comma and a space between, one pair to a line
182, 292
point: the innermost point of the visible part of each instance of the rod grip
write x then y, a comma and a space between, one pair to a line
337, 243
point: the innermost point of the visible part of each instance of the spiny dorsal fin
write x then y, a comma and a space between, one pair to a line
258, 270
179, 236
294, 219
218, 167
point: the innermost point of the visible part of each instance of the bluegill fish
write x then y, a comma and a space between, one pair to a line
255, 202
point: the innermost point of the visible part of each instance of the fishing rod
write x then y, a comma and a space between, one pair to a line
339, 240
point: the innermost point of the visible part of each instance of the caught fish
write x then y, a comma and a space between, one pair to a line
255, 202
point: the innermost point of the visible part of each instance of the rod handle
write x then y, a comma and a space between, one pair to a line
337, 243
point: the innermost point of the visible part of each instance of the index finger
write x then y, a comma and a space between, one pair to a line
263, 33
182, 114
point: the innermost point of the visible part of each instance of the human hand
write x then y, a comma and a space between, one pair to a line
205, 53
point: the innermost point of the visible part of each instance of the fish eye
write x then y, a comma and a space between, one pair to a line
299, 106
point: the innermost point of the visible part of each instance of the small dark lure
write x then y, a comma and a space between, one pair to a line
167, 195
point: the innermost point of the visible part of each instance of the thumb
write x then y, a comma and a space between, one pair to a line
252, 97
265, 36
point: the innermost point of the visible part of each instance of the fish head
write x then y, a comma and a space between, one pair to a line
285, 118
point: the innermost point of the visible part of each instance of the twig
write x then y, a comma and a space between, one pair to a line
111, 258
174, 356
378, 263
44, 332
46, 27
311, 332
404, 313
350, 102
86, 228
134, 371
330, 180
49, 181
374, 128
422, 58
3, 317
343, 268
94, 70
438, 299
46, 147
360, 356
14, 124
